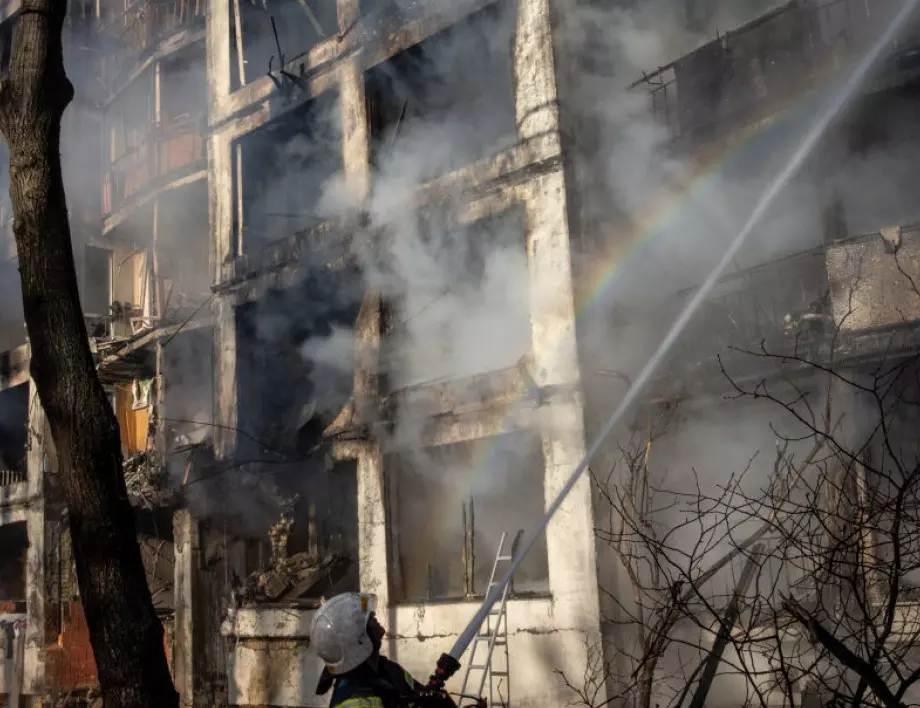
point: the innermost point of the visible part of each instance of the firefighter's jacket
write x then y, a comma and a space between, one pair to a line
389, 686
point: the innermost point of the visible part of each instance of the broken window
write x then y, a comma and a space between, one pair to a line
300, 25
129, 120
14, 420
448, 101
97, 281
155, 539
188, 369
322, 545
284, 168
463, 307
448, 507
14, 545
883, 151
183, 243
182, 111
294, 359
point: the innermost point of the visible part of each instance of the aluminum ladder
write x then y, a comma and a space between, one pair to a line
493, 632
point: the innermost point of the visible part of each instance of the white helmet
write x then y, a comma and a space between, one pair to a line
339, 631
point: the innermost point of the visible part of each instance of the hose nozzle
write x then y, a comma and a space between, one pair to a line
447, 667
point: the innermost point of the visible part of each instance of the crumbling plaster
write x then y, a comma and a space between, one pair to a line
546, 634
875, 279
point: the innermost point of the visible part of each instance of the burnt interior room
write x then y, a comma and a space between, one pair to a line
183, 245
14, 423
14, 545
285, 166
157, 545
294, 376
294, 370
325, 526
183, 86
189, 370
482, 272
878, 138
449, 100
300, 24
448, 507
96, 291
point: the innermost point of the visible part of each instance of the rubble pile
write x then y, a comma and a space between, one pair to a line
294, 578
147, 483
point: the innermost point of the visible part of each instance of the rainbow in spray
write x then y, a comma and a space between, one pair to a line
659, 216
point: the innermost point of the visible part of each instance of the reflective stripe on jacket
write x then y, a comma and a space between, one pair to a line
390, 686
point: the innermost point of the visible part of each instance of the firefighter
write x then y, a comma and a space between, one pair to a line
347, 636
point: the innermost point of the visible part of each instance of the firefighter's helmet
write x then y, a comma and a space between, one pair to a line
339, 631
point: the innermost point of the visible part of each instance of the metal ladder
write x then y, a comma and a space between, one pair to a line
492, 635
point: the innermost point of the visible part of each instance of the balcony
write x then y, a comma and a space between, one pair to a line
146, 23
745, 74
782, 306
162, 152
10, 477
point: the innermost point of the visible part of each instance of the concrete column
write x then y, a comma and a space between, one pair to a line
225, 379
372, 541
217, 47
534, 71
348, 12
571, 549
187, 565
355, 130
33, 676
372, 536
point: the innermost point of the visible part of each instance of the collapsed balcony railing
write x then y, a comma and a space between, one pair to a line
147, 22
160, 152
753, 310
767, 61
9, 477
782, 307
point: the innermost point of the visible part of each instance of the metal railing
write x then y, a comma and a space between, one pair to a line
778, 305
147, 22
9, 477
767, 61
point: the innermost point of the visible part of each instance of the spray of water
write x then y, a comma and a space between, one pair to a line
802, 152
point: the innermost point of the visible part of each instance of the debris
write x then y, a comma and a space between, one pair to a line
147, 483
140, 394
295, 577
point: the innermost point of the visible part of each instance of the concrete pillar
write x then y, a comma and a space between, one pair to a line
534, 71
571, 549
33, 675
355, 130
225, 379
217, 47
372, 550
187, 564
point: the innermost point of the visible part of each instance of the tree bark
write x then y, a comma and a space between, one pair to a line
126, 636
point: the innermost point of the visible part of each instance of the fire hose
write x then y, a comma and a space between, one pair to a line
449, 663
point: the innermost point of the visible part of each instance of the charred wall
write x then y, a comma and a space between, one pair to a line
289, 391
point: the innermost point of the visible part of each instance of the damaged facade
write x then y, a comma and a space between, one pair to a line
263, 476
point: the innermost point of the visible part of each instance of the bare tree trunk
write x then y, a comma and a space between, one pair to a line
126, 636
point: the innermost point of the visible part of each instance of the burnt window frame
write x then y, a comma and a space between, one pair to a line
86, 280
326, 103
470, 552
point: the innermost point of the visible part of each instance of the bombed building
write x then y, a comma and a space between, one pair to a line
365, 278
